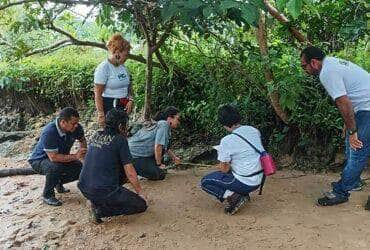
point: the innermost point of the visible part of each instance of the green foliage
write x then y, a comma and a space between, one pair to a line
334, 24
61, 79
201, 15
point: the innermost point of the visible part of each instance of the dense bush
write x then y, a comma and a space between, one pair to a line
206, 81
60, 79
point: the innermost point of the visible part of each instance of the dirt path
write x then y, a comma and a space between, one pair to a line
181, 216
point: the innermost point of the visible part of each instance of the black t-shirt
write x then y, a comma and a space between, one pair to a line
102, 171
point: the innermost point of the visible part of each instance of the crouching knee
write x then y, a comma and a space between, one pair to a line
141, 206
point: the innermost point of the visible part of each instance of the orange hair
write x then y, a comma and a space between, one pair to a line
118, 44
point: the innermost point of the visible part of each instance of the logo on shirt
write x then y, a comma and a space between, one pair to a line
98, 140
122, 76
345, 63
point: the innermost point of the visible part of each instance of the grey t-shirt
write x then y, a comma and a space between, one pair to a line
340, 77
142, 143
115, 78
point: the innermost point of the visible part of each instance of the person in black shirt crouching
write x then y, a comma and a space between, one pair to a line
106, 168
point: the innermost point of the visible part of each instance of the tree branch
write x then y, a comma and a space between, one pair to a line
143, 25
5, 6
161, 60
70, 2
269, 75
281, 18
47, 49
165, 35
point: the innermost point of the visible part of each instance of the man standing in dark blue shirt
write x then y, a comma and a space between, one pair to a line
51, 156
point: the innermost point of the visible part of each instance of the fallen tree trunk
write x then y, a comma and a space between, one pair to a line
16, 171
13, 136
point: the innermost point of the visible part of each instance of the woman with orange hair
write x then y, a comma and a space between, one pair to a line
112, 81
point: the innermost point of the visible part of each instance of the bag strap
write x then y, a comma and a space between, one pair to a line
258, 172
250, 144
250, 175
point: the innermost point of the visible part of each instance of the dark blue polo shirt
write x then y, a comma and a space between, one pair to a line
53, 139
102, 172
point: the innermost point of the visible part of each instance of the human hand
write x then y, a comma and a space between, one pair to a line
355, 142
143, 196
81, 153
129, 106
176, 160
162, 166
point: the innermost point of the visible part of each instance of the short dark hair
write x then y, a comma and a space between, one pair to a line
170, 111
312, 52
228, 115
115, 118
67, 113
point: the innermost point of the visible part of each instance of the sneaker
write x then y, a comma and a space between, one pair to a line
52, 201
235, 202
367, 205
94, 217
331, 199
61, 189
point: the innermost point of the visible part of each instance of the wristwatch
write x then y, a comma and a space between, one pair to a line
352, 131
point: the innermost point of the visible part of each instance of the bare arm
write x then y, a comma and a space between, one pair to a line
158, 153
98, 97
130, 104
132, 177
56, 157
224, 167
174, 157
130, 93
344, 105
83, 143
98, 91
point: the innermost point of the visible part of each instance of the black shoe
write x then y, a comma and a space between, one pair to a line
52, 201
94, 217
60, 189
367, 205
235, 202
331, 199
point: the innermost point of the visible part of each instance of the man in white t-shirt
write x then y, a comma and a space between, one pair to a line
349, 86
240, 170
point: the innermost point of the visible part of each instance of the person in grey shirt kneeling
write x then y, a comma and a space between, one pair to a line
149, 144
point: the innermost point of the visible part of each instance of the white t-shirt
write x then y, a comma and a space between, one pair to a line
243, 159
115, 78
340, 77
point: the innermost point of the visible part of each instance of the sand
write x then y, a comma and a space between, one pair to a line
182, 216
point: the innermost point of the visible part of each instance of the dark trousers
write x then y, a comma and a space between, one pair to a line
56, 173
147, 167
108, 104
122, 201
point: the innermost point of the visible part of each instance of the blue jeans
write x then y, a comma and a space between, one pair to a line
216, 183
356, 159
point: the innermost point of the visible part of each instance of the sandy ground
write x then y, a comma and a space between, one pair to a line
181, 216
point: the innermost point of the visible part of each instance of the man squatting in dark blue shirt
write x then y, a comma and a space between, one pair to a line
51, 156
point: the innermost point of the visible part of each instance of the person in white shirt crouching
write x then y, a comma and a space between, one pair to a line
240, 170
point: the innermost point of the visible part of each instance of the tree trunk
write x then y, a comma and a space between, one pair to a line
274, 95
148, 86
16, 171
